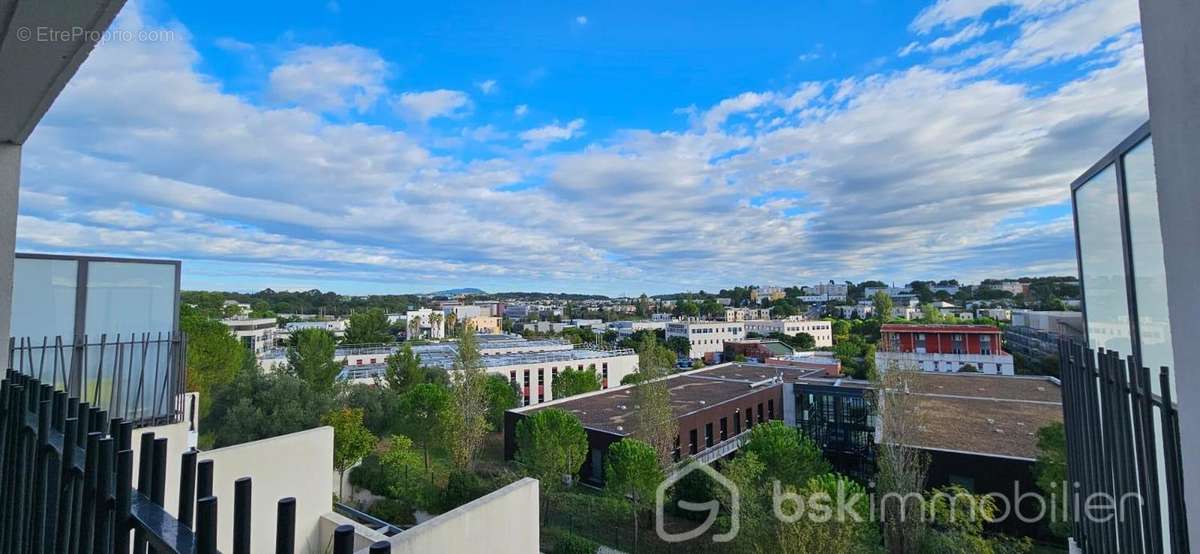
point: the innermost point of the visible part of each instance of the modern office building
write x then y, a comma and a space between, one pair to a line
820, 330
706, 337
943, 348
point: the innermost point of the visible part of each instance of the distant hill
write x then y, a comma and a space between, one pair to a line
456, 292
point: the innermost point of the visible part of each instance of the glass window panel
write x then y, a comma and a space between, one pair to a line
43, 299
1103, 268
127, 300
130, 297
1150, 277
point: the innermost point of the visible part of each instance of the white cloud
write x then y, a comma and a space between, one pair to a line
544, 136
742, 103
919, 172
966, 34
330, 78
489, 86
582, 20
423, 106
520, 110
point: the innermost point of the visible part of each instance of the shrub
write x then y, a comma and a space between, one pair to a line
394, 511
562, 541
372, 476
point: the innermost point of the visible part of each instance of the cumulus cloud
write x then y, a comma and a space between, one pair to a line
919, 172
330, 78
541, 137
489, 86
423, 106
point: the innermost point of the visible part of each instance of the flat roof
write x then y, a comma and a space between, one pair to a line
612, 410
937, 328
988, 415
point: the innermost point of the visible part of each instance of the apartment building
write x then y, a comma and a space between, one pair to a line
485, 324
820, 330
258, 335
943, 348
744, 314
627, 328
706, 337
425, 323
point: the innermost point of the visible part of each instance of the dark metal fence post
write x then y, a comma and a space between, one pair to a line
343, 540
206, 525
285, 527
241, 516
187, 487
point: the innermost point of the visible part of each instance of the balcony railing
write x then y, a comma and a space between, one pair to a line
66, 485
139, 378
1119, 434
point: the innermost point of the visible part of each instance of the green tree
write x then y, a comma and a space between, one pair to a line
789, 455
501, 397
311, 357
576, 381
1050, 472
882, 304
805, 341
378, 404
681, 346
468, 392
633, 473
404, 370
214, 355
368, 327
552, 446
656, 423
351, 440
842, 532
424, 415
841, 330
257, 405
399, 458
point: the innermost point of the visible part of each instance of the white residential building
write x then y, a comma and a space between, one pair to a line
820, 330
746, 314
335, 326
627, 328
258, 335
429, 323
828, 289
706, 336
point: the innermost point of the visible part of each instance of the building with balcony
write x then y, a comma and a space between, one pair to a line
706, 337
258, 335
943, 348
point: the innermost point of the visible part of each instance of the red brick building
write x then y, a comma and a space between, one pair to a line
943, 348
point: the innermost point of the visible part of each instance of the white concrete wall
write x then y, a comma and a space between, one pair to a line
10, 172
299, 465
503, 522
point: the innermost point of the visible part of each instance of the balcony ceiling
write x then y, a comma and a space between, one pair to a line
33, 72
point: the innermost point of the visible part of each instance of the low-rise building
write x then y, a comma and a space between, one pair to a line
943, 348
820, 330
745, 314
706, 337
425, 323
1016, 288
337, 327
485, 324
755, 350
258, 335
628, 328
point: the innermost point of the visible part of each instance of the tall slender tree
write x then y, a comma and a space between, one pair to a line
468, 390
656, 423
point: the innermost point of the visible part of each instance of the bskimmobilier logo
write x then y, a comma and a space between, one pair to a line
713, 507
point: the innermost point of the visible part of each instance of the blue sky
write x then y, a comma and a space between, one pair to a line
610, 147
